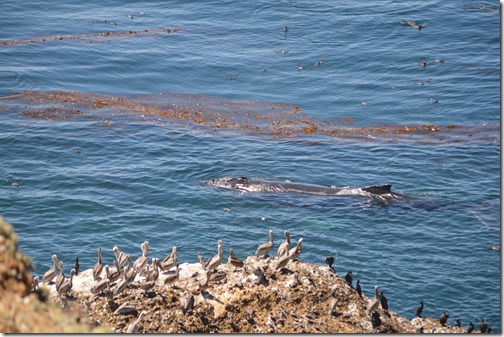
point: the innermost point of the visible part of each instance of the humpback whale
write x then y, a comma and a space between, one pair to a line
244, 184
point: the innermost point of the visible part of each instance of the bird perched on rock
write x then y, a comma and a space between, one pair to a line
282, 262
283, 249
121, 257
444, 318
374, 303
171, 279
332, 305
170, 261
98, 267
419, 309
51, 273
125, 309
375, 319
186, 303
61, 277
66, 285
265, 247
77, 266
358, 288
330, 260
233, 260
296, 251
133, 328
483, 326
470, 328
348, 278
458, 323
216, 260
384, 303
143, 260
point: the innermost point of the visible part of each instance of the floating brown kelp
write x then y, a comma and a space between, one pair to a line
241, 117
93, 37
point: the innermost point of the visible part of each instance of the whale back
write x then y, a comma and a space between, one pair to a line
378, 189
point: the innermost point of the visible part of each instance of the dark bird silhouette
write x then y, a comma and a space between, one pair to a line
457, 323
330, 260
419, 309
348, 278
76, 267
358, 288
470, 328
483, 326
375, 319
444, 317
384, 303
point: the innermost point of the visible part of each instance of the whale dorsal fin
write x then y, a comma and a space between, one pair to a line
378, 189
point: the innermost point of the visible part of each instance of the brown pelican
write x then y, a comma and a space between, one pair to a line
282, 261
203, 284
129, 272
142, 261
35, 284
51, 273
170, 261
283, 249
332, 305
296, 251
217, 277
186, 303
66, 286
115, 273
203, 263
150, 282
121, 257
216, 260
125, 309
133, 328
154, 274
61, 277
120, 286
374, 303
265, 247
98, 267
101, 284
171, 279
233, 260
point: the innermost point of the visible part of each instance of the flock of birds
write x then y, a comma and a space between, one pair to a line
113, 281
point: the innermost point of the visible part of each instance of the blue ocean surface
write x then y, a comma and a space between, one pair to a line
72, 185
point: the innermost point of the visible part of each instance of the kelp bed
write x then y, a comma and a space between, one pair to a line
238, 117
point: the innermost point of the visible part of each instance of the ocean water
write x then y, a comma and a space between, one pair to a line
69, 186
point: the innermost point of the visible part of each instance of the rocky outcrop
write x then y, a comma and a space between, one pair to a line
302, 297
23, 311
